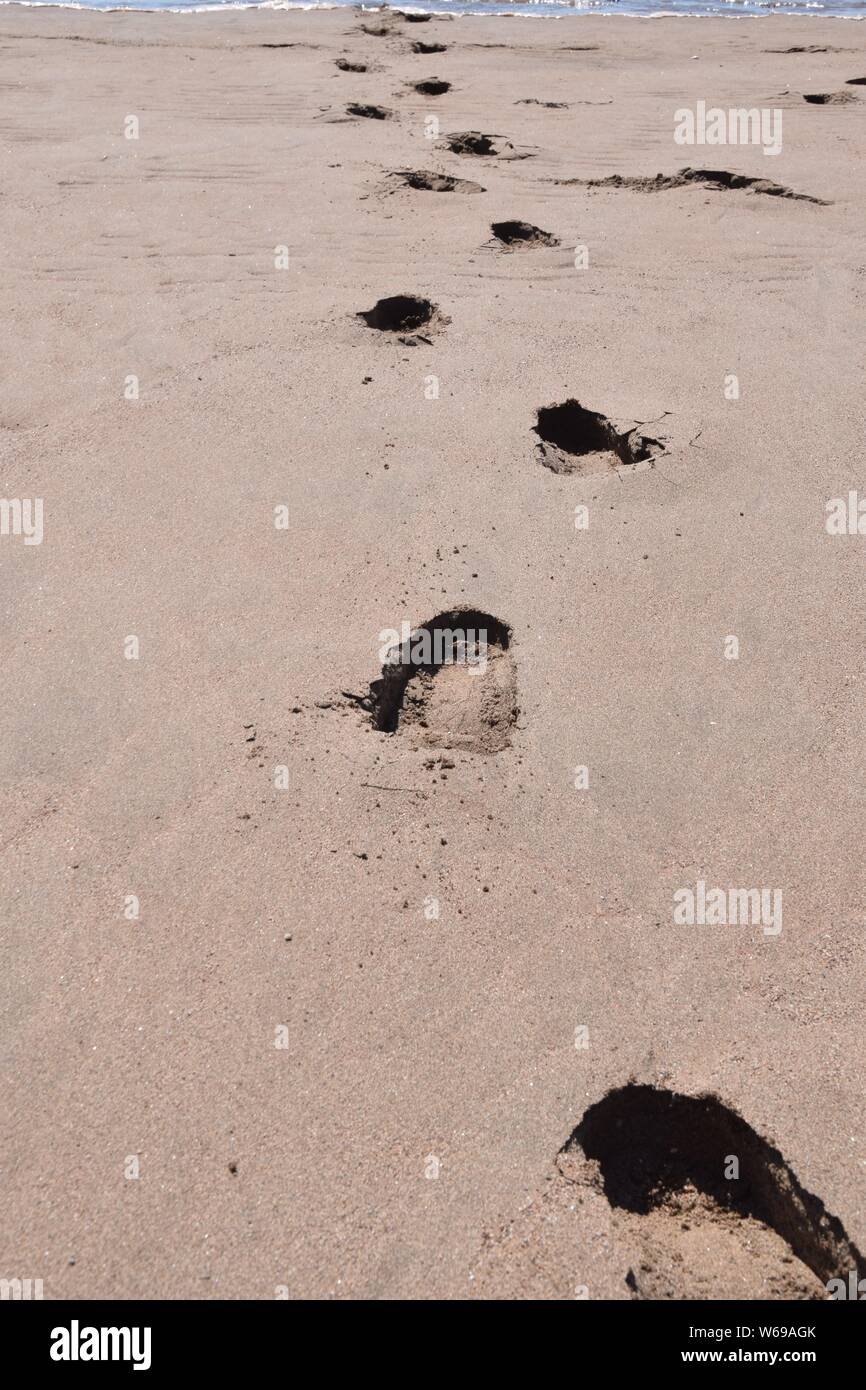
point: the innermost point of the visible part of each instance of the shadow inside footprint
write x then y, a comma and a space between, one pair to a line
450, 684
372, 113
430, 182
346, 66
829, 98
575, 440
522, 234
431, 87
709, 1207
420, 47
474, 142
401, 313
722, 180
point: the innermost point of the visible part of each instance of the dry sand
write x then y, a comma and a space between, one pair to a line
286, 1039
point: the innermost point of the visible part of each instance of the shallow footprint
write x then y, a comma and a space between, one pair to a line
475, 142
370, 112
429, 181
829, 98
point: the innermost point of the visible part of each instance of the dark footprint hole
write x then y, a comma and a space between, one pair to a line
569, 433
373, 113
401, 313
451, 683
471, 142
430, 182
345, 66
522, 234
431, 87
856, 82
377, 31
420, 47
829, 98
665, 1159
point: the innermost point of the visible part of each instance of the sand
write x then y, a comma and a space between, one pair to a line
287, 1075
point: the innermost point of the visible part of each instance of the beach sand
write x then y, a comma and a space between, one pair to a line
287, 1074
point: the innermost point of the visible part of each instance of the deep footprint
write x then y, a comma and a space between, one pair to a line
665, 1163
522, 234
431, 87
717, 179
372, 113
403, 314
345, 66
573, 439
431, 182
420, 47
453, 684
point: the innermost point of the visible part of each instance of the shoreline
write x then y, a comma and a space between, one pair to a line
286, 6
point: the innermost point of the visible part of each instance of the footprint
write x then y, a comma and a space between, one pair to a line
431, 87
373, 113
476, 143
432, 182
419, 47
807, 48
536, 101
451, 684
575, 440
517, 234
856, 82
717, 179
345, 66
666, 1163
404, 314
829, 98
